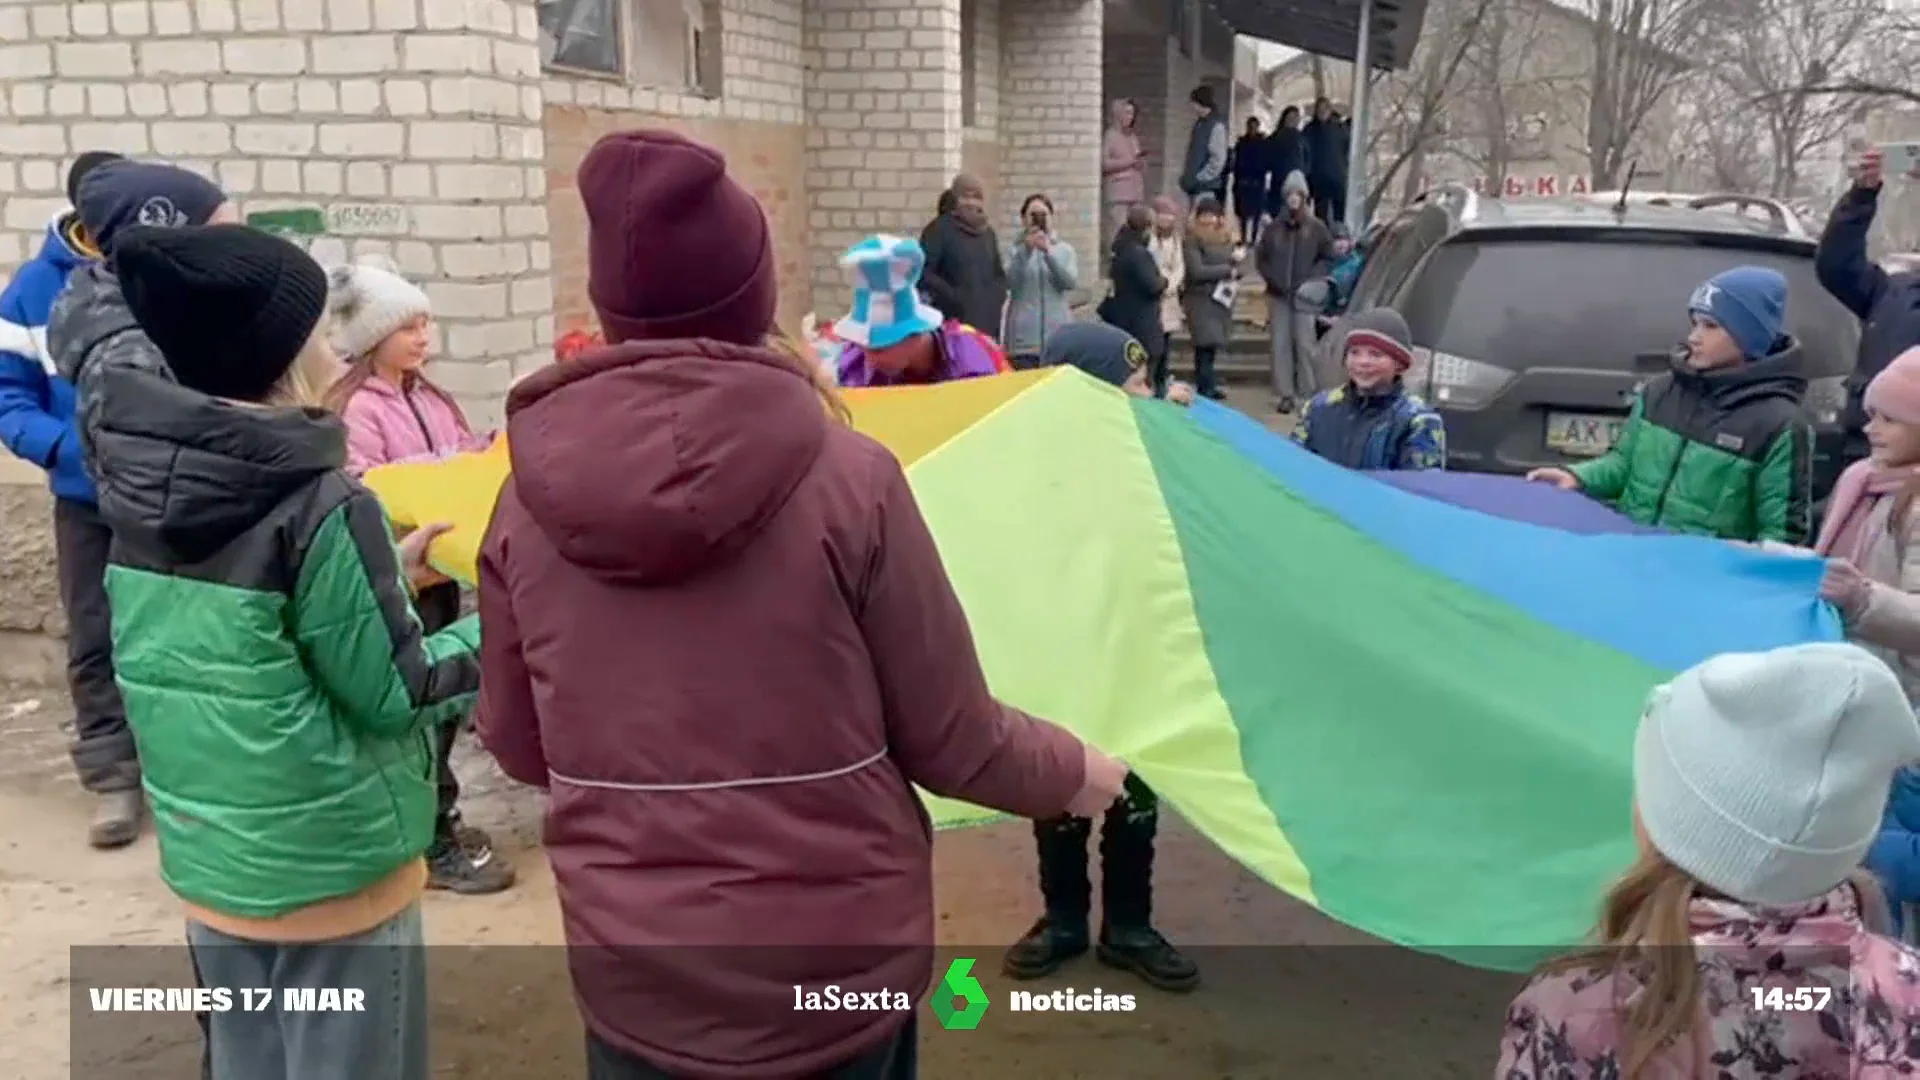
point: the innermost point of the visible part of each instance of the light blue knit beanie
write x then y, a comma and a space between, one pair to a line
1765, 775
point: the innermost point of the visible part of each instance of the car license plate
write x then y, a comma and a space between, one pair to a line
1583, 434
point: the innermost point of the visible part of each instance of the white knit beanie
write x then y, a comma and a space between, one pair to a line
1765, 775
369, 300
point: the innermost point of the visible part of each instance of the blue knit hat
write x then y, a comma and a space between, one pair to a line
1748, 302
887, 308
120, 194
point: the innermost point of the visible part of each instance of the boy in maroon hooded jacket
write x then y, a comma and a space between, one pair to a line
717, 630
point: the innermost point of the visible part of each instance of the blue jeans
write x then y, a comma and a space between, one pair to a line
385, 1041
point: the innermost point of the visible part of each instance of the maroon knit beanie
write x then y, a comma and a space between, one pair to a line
675, 248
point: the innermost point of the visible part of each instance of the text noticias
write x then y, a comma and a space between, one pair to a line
1069, 1000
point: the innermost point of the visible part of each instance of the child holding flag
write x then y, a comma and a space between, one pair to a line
394, 413
892, 337
1744, 941
1719, 445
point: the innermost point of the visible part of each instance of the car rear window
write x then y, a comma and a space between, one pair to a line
1598, 301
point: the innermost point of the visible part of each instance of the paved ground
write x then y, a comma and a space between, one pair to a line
1287, 993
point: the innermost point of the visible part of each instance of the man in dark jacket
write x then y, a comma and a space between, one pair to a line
1326, 138
1250, 180
1286, 154
1205, 171
1887, 304
965, 276
1295, 249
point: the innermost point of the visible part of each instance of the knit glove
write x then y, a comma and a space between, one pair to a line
1846, 588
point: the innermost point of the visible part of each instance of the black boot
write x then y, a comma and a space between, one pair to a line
1203, 377
462, 860
1060, 934
1127, 938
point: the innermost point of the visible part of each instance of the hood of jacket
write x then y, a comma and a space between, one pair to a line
189, 473
59, 251
91, 322
650, 461
1780, 373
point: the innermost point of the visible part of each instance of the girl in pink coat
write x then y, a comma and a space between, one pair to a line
1745, 941
393, 412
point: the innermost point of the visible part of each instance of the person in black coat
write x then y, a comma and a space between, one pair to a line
1326, 139
965, 275
1249, 168
1887, 304
1138, 286
1286, 153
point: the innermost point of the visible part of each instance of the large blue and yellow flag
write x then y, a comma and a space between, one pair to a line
1413, 715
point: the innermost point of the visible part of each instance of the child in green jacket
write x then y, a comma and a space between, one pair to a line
1720, 446
279, 687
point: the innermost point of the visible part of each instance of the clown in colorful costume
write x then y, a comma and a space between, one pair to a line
894, 338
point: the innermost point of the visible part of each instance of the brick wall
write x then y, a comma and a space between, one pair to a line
1051, 116
414, 125
755, 121
883, 106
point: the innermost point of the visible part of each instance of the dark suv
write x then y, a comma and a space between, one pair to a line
1534, 321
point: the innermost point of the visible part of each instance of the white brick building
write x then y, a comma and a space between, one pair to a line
445, 132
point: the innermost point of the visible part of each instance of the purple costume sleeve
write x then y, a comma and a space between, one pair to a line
963, 357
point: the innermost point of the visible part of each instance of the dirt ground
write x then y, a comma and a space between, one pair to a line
1286, 992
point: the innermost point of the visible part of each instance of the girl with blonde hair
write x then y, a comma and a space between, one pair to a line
382, 323
1744, 941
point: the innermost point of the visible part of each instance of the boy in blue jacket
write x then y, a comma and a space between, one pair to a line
37, 425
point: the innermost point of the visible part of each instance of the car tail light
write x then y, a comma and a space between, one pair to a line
1827, 399
1456, 381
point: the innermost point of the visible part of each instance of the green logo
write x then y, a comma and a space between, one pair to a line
959, 985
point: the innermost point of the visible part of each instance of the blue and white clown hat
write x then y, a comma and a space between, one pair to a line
887, 308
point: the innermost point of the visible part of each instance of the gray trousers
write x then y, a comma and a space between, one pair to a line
1291, 341
259, 1040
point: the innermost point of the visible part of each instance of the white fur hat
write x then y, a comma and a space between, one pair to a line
368, 300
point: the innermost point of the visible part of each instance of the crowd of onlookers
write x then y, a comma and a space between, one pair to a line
713, 625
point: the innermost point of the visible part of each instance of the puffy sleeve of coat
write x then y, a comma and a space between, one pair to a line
945, 729
360, 637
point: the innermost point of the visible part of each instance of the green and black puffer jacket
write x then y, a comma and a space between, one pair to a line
276, 678
1726, 453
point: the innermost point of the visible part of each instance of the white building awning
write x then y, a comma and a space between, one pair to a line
1331, 28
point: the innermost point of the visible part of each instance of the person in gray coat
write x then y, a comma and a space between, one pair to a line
1213, 264
1294, 256
1042, 272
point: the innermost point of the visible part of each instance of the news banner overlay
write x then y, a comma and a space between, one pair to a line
220, 999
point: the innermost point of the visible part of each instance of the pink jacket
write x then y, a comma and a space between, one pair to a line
1848, 1007
385, 425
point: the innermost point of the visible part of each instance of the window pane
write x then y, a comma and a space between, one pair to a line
1600, 303
581, 34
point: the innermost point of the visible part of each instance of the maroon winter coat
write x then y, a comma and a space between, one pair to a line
716, 628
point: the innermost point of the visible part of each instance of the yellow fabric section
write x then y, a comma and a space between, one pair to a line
913, 422
459, 491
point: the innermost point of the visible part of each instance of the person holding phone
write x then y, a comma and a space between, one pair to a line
1887, 304
1042, 272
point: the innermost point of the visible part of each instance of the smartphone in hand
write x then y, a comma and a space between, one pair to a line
1900, 159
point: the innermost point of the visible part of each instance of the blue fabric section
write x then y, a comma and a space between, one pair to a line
37, 405
1670, 601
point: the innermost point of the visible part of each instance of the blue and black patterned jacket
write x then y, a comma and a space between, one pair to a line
1392, 429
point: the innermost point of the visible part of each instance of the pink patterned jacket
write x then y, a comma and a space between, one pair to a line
1848, 1008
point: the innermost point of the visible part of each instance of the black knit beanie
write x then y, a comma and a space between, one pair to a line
230, 307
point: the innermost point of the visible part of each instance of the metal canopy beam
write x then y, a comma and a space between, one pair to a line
1331, 28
